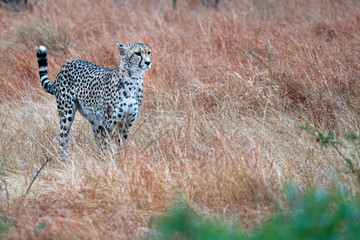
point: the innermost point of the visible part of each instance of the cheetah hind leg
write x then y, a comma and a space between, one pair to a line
66, 119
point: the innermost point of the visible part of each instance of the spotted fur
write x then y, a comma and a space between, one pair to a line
109, 98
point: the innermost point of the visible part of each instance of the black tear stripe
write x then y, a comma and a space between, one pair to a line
140, 59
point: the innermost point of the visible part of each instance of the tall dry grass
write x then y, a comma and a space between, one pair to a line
218, 125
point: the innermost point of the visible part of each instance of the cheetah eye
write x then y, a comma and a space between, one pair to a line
138, 53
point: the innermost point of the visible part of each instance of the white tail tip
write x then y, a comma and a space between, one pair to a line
42, 48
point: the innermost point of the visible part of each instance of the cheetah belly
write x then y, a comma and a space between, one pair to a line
95, 117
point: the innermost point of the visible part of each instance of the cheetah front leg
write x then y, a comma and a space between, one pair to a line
121, 131
115, 126
123, 122
128, 124
101, 134
129, 120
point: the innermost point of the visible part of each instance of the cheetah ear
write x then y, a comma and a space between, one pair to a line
121, 48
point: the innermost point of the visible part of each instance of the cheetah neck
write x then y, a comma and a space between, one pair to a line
130, 72
127, 79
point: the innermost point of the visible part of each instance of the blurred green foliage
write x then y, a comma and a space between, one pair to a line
316, 214
4, 226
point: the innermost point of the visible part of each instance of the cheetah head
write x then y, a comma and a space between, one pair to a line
136, 56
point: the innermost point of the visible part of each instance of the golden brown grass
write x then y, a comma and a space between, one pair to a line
218, 126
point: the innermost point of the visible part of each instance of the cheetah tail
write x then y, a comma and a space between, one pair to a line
42, 61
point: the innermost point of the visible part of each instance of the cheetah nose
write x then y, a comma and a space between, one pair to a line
147, 63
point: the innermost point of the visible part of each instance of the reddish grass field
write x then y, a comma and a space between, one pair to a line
218, 126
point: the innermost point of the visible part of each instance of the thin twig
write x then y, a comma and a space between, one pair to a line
37, 173
352, 168
41, 167
139, 126
345, 158
28, 189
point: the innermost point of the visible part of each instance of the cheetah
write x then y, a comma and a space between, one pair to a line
109, 98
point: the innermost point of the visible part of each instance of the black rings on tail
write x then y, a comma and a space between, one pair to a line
42, 61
